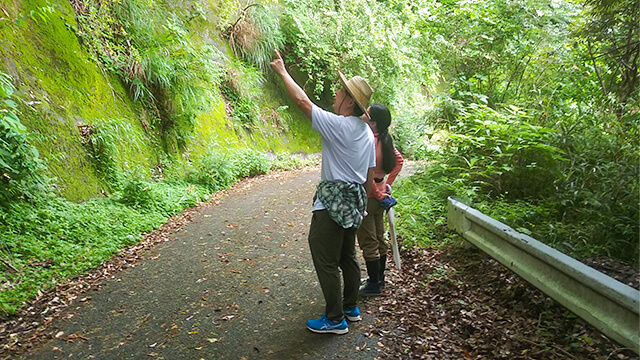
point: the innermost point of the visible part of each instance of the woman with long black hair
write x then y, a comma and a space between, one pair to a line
371, 232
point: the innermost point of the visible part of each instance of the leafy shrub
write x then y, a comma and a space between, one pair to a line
421, 216
445, 111
597, 196
294, 161
140, 194
249, 163
411, 136
214, 172
522, 215
20, 165
503, 154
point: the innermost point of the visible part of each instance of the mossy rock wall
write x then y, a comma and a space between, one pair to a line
212, 131
66, 96
64, 90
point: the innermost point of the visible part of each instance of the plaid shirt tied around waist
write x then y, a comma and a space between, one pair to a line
345, 202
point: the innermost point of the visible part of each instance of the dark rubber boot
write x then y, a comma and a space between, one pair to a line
383, 267
372, 286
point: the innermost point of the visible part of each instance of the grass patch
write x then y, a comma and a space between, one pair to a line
421, 218
55, 239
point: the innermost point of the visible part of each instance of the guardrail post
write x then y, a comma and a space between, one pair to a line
605, 303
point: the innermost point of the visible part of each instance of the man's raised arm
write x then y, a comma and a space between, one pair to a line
294, 90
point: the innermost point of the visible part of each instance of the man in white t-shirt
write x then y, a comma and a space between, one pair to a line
348, 160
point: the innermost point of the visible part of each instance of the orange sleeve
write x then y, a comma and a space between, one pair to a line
396, 170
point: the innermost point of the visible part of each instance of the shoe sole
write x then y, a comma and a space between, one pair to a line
353, 318
332, 331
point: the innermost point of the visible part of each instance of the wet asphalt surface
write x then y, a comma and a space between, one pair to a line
235, 283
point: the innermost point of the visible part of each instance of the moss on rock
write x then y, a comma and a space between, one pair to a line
65, 92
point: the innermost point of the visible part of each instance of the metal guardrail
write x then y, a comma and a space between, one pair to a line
607, 304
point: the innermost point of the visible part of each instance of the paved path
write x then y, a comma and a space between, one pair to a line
235, 283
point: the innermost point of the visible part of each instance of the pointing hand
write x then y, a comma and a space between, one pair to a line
278, 64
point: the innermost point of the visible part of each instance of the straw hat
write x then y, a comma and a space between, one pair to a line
358, 89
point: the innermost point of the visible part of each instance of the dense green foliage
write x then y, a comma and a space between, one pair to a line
580, 170
497, 153
526, 109
20, 164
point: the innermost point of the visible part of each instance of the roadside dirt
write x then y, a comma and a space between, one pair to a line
233, 279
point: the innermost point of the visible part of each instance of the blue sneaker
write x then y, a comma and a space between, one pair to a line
352, 314
326, 326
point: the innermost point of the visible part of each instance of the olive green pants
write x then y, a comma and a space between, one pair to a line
371, 232
333, 248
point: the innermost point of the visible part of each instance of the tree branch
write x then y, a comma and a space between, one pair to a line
595, 68
8, 264
243, 13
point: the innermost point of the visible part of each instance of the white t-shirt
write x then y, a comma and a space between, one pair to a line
348, 147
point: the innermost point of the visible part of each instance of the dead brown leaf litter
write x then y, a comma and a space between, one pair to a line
458, 303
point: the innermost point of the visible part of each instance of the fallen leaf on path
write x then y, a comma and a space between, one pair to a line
77, 336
